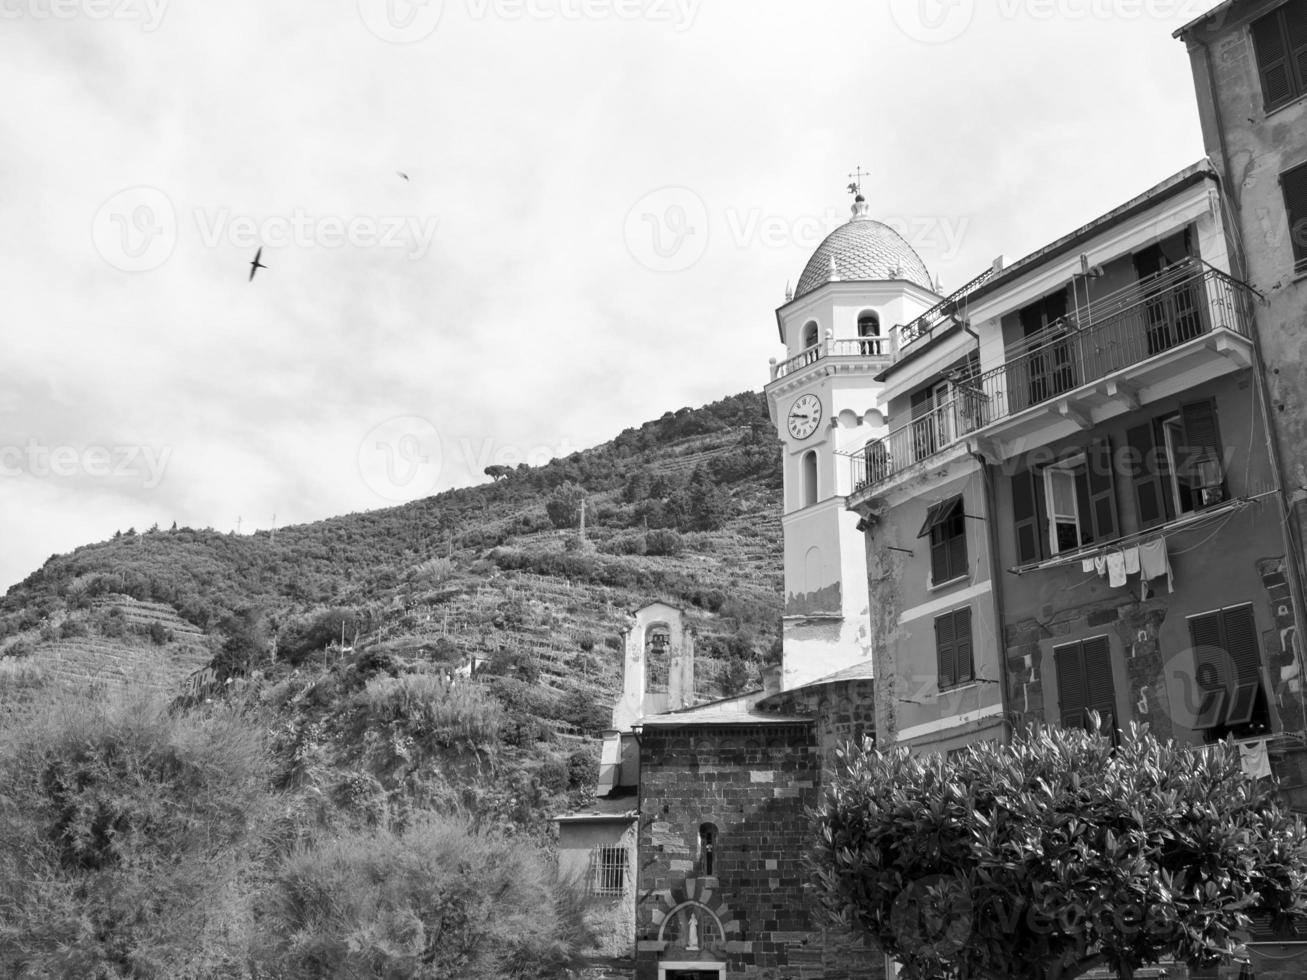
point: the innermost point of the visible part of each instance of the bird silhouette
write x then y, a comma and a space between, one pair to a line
402, 174
256, 265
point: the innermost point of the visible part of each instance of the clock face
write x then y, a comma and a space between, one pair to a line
805, 416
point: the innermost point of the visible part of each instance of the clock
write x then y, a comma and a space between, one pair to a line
805, 416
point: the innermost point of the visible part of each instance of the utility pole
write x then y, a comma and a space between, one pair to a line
582, 518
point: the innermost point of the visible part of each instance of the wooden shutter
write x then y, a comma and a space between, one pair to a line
1212, 683
1241, 644
1295, 31
1102, 516
1150, 491
1202, 442
1100, 692
1069, 662
1028, 516
1294, 185
945, 650
939, 547
964, 668
1273, 60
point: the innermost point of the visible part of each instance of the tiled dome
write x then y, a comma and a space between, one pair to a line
863, 249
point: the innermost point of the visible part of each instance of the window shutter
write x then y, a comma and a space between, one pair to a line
1241, 644
1150, 494
945, 650
1100, 692
957, 551
1069, 664
964, 668
1272, 60
1027, 497
1294, 184
938, 556
1295, 24
1211, 671
1102, 490
1202, 443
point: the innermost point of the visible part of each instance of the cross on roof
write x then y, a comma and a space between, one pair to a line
857, 175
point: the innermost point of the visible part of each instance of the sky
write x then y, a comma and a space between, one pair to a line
494, 231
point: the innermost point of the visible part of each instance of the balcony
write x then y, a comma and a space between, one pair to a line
1191, 318
863, 347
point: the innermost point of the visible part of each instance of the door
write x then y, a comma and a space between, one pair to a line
1049, 365
1173, 312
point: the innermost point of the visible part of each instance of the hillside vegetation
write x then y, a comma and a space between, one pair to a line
456, 657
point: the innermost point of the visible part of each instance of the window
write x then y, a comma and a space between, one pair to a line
1177, 463
809, 478
707, 849
953, 648
1228, 697
1280, 43
657, 658
1294, 184
1084, 684
1041, 365
868, 328
610, 870
810, 334
946, 523
1066, 505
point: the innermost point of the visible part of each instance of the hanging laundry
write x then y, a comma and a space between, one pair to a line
1131, 560
1087, 565
1253, 758
1115, 569
1100, 564
1154, 563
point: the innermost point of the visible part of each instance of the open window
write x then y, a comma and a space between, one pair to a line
707, 849
1066, 505
810, 333
869, 333
946, 524
1177, 463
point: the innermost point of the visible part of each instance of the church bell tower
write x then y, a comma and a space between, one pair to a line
838, 330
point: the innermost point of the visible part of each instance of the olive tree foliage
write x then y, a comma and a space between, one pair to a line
1056, 854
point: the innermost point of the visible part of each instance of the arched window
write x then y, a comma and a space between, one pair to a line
809, 467
810, 334
657, 657
707, 849
869, 327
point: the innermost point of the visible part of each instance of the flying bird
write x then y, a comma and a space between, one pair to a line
256, 265
402, 174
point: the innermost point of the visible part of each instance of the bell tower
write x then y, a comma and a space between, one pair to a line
838, 330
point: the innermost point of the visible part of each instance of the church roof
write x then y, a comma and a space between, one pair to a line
740, 710
863, 249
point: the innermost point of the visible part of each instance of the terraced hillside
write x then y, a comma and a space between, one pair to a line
461, 651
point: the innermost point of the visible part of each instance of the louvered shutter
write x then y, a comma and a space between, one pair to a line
1026, 497
1241, 644
1150, 492
945, 650
957, 550
1273, 60
1295, 29
1212, 681
939, 548
1102, 491
1100, 692
1200, 456
1294, 184
964, 668
1069, 663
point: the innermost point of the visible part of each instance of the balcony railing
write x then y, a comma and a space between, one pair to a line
861, 347
1138, 323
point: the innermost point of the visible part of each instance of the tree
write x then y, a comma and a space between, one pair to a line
564, 505
497, 472
1058, 853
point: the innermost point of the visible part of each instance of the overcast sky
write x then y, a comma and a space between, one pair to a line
604, 202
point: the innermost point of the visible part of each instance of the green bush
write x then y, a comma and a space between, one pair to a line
434, 710
434, 902
125, 834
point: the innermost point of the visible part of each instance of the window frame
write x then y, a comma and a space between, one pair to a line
951, 546
1259, 709
611, 869
955, 642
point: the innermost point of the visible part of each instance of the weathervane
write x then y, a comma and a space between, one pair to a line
855, 187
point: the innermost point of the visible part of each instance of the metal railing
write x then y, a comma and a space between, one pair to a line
1131, 327
860, 347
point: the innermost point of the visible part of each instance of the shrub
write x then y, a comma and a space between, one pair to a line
663, 542
434, 710
124, 832
436, 901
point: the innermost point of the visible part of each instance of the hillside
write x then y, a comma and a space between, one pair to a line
457, 652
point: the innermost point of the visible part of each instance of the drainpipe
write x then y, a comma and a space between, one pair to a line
996, 588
